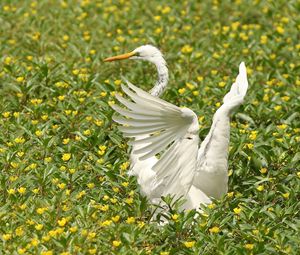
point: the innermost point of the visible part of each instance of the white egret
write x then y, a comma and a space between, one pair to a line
185, 168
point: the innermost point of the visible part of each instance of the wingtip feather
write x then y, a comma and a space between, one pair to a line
242, 67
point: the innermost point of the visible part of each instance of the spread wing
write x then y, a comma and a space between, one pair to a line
159, 127
235, 96
211, 175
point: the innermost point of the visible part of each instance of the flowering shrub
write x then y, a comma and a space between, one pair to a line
64, 187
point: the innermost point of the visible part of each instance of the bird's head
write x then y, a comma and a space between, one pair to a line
144, 52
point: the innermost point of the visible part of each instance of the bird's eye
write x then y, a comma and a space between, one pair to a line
137, 54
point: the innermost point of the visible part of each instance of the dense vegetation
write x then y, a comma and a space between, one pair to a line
63, 182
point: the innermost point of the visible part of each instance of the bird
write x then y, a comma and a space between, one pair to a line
167, 156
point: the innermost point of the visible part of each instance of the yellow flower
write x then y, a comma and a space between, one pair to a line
286, 195
282, 126
73, 229
214, 230
47, 253
115, 218
93, 251
277, 108
106, 223
211, 206
66, 156
125, 184
266, 98
61, 98
237, 210
130, 220
164, 253
20, 140
66, 38
111, 102
175, 217
104, 208
30, 222
87, 132
66, 141
92, 52
214, 72
16, 114
48, 159
72, 170
6, 114
129, 200
190, 86
20, 79
141, 224
61, 185
285, 98
218, 104
11, 191
230, 194
62, 222
253, 135
263, 39
222, 84
35, 191
102, 147
39, 226
19, 231
200, 78
125, 165
21, 250
181, 91
22, 190
91, 185
116, 243
186, 49
260, 188
189, 244
91, 235
34, 242
249, 146
14, 164
158, 30
8, 60
36, 36
280, 30
80, 194
6, 237
249, 246
38, 133
263, 170
44, 117
166, 10
99, 123
41, 210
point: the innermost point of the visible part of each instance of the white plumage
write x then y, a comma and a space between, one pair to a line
185, 168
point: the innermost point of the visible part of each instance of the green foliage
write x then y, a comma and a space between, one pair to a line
64, 187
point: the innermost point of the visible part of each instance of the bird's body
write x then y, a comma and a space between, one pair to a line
185, 168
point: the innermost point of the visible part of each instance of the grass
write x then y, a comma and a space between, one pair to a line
64, 188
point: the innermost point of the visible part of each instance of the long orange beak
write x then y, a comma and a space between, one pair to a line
120, 57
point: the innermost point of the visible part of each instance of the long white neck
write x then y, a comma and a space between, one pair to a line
163, 77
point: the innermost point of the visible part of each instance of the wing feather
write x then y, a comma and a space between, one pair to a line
159, 127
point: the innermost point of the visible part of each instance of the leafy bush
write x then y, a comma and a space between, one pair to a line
64, 187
